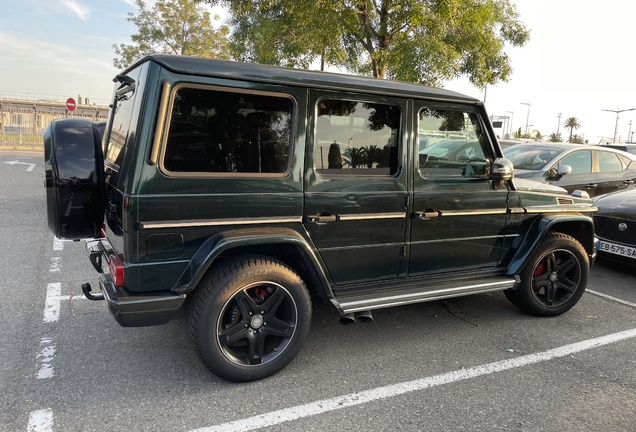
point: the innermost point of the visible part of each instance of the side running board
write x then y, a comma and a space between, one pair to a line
368, 300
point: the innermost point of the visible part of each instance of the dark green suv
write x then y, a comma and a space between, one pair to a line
251, 189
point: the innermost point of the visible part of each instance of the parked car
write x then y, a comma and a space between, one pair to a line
596, 170
220, 183
629, 148
615, 224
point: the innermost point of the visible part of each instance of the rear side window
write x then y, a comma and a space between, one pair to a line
608, 162
219, 131
356, 138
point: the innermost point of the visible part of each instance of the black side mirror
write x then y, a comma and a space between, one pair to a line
501, 171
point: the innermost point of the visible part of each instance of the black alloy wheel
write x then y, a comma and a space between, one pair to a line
554, 278
249, 318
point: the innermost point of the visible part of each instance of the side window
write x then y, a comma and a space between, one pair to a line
356, 138
580, 161
608, 162
451, 143
217, 131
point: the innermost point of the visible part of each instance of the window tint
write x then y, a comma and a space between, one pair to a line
213, 131
608, 162
580, 161
356, 138
451, 143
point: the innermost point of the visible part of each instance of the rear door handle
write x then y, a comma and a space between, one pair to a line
592, 185
628, 182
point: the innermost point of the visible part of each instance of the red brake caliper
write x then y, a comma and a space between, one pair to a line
538, 272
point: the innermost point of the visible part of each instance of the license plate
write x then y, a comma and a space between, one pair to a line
617, 249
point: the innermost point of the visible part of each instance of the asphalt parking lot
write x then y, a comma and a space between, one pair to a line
471, 363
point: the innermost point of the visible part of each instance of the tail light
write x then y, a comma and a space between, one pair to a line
116, 269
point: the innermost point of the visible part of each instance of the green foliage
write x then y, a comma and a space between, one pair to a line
536, 135
571, 123
555, 137
411, 40
173, 27
334, 158
576, 139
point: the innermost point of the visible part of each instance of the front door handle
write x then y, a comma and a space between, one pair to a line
628, 182
322, 219
592, 185
426, 215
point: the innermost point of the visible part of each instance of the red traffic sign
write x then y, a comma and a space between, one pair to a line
70, 104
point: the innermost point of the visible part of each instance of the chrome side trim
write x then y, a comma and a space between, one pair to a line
370, 216
161, 118
463, 239
218, 222
472, 212
559, 209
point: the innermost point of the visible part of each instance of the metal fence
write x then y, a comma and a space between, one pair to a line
22, 122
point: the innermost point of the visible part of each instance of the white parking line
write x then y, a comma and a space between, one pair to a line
56, 267
40, 421
52, 303
58, 244
353, 399
609, 297
45, 358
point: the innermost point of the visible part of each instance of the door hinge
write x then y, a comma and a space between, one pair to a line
406, 201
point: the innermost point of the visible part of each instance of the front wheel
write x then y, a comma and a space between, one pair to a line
250, 318
554, 279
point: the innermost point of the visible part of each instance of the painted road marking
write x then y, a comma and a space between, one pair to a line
353, 399
56, 265
45, 357
58, 244
609, 297
53, 301
41, 421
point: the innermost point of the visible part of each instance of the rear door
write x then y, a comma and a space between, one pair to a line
356, 184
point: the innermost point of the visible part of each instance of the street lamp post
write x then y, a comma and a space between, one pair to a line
528, 115
512, 116
559, 124
617, 111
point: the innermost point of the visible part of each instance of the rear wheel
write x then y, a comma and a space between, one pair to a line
249, 318
554, 279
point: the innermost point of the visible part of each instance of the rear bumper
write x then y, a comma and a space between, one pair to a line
132, 309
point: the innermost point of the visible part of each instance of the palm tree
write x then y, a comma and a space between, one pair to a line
577, 139
571, 123
536, 135
555, 137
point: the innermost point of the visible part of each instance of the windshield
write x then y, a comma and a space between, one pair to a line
530, 156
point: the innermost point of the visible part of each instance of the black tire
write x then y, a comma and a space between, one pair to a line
554, 278
74, 178
249, 318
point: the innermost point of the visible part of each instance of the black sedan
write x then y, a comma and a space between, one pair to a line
615, 225
596, 170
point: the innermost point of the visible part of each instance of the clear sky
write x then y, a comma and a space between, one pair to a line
577, 63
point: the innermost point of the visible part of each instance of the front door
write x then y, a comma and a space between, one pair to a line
356, 184
458, 218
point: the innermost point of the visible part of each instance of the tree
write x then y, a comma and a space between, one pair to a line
577, 139
571, 123
411, 40
555, 137
536, 135
179, 27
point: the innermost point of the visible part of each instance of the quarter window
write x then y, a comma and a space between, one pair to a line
356, 138
214, 131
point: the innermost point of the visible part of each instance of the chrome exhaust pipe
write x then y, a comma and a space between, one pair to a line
347, 319
364, 316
